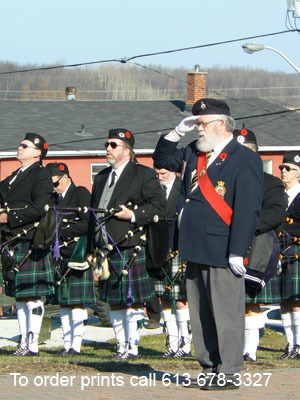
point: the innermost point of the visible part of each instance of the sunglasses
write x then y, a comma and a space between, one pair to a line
287, 168
55, 184
113, 145
24, 146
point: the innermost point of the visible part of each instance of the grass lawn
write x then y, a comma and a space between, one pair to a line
96, 358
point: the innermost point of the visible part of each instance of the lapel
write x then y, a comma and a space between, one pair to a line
221, 161
100, 181
174, 194
124, 182
22, 176
67, 200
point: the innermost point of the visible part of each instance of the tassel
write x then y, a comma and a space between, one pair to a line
56, 253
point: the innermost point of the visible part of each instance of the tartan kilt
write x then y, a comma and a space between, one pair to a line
76, 288
178, 291
269, 294
114, 290
36, 275
290, 279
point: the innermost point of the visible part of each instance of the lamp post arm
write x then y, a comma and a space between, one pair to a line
285, 57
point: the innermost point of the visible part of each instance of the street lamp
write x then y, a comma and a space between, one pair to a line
251, 48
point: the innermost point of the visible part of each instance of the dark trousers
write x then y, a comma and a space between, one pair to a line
153, 308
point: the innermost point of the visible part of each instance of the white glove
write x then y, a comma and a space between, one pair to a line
236, 264
187, 125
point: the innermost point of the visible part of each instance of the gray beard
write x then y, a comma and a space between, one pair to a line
208, 142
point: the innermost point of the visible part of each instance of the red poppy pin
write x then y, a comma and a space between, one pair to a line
244, 132
222, 156
127, 134
61, 167
45, 145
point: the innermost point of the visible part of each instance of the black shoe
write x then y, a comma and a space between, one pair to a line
29, 353
153, 324
248, 358
181, 354
169, 353
128, 356
295, 353
218, 384
63, 353
117, 355
19, 352
286, 353
72, 353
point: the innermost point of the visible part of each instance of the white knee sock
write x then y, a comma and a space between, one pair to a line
288, 328
22, 321
133, 316
118, 321
65, 319
34, 323
78, 316
296, 325
172, 329
183, 317
252, 326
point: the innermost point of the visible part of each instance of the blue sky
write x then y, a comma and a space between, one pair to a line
73, 31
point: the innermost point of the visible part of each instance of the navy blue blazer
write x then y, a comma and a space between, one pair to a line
204, 237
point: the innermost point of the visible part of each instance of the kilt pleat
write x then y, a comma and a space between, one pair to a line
290, 279
269, 294
76, 288
115, 289
178, 291
36, 275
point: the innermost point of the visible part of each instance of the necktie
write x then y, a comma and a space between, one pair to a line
194, 180
113, 178
164, 188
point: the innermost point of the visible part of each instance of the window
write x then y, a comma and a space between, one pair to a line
96, 168
268, 165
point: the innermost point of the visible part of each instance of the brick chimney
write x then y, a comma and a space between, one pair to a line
196, 87
71, 93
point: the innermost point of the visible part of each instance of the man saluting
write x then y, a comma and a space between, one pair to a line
221, 197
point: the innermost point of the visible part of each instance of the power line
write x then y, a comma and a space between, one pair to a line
125, 60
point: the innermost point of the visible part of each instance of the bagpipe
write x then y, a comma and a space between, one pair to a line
10, 265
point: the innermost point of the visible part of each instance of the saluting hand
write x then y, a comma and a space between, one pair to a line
187, 125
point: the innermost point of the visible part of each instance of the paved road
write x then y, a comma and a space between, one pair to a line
163, 385
264, 385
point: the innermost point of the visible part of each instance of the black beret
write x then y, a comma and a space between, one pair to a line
123, 134
58, 169
39, 142
244, 136
210, 106
292, 157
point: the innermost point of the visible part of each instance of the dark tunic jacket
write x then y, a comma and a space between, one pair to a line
31, 191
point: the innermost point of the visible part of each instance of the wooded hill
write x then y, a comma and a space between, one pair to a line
108, 82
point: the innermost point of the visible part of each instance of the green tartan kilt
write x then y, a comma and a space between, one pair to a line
116, 289
290, 279
76, 288
178, 291
36, 275
269, 294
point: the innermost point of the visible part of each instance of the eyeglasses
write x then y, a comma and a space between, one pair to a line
204, 124
113, 145
287, 168
55, 184
24, 146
